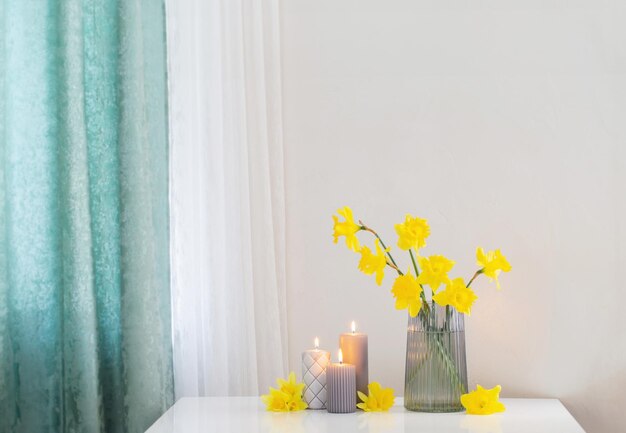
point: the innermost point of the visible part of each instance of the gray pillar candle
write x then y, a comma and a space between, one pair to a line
354, 348
341, 386
314, 363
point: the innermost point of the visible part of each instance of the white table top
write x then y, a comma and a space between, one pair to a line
248, 415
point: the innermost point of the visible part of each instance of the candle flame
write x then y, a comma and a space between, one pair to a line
317, 343
353, 326
340, 356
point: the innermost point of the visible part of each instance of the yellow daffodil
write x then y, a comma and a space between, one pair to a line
379, 399
276, 401
407, 292
287, 398
434, 271
492, 263
347, 228
374, 263
290, 386
483, 401
412, 233
457, 295
296, 404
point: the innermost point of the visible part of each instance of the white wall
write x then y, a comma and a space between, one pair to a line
504, 124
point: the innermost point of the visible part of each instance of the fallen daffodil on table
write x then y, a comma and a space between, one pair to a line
483, 401
288, 396
379, 399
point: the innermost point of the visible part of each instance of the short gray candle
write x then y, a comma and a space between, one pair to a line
341, 385
354, 347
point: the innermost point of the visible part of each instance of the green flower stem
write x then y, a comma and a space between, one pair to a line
478, 272
393, 264
450, 367
417, 274
435, 338
448, 312
367, 229
394, 267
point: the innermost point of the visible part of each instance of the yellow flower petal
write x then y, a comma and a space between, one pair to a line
401, 304
457, 295
374, 388
362, 396
372, 403
414, 307
492, 263
434, 271
378, 399
407, 292
412, 233
442, 298
373, 263
276, 401
347, 228
287, 398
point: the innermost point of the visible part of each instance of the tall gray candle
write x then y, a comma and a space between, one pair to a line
341, 385
314, 363
354, 348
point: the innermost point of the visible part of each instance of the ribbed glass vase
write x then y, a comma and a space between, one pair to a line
436, 369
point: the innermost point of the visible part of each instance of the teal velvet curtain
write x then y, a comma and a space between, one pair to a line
84, 270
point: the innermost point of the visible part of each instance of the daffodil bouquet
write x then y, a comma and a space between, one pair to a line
436, 314
408, 288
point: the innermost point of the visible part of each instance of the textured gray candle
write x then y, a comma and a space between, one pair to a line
354, 348
341, 385
314, 363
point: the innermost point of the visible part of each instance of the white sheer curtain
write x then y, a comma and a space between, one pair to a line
227, 198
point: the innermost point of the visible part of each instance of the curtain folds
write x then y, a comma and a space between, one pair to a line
227, 198
85, 337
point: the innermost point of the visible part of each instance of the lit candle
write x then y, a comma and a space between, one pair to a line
314, 363
341, 383
354, 347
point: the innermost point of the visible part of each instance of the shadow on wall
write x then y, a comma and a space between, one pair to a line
607, 394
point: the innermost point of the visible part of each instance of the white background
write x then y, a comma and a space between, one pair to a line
502, 123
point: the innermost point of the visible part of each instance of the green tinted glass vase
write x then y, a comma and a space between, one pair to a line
436, 369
